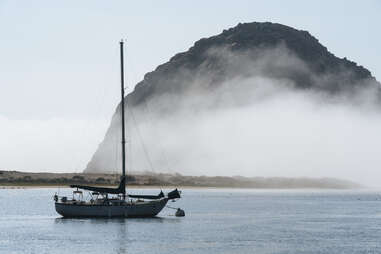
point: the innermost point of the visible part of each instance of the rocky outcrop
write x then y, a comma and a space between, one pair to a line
284, 55
244, 38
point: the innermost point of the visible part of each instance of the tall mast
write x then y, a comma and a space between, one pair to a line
122, 111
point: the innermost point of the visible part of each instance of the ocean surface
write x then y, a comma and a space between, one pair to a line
216, 221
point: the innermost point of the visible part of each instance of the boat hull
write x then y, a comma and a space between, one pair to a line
127, 210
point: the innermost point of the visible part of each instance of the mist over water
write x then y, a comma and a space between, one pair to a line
256, 122
252, 122
48, 145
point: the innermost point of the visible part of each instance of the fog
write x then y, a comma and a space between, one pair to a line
255, 123
288, 136
54, 145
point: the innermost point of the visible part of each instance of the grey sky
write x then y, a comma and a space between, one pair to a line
59, 60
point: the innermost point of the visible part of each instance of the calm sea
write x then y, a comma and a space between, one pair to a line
217, 221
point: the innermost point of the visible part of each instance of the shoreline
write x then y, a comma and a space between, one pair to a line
18, 180
9, 187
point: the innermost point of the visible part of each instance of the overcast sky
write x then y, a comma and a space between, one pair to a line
59, 65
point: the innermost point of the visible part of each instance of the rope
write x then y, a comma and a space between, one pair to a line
115, 171
88, 127
141, 140
161, 147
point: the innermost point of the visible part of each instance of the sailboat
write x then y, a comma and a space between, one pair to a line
114, 202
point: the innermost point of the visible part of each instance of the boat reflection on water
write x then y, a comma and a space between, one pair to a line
121, 232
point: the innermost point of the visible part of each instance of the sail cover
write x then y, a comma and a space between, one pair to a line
161, 195
120, 190
171, 195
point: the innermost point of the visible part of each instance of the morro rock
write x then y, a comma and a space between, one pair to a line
232, 63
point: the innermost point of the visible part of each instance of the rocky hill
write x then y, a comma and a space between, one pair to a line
226, 70
247, 42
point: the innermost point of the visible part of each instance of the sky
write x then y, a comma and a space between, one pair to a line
59, 64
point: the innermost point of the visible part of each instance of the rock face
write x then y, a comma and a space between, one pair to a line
245, 38
238, 59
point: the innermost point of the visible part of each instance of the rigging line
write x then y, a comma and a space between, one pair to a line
161, 147
131, 77
102, 98
131, 73
141, 139
129, 145
90, 124
115, 170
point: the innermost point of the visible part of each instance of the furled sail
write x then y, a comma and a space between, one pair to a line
120, 190
171, 195
161, 195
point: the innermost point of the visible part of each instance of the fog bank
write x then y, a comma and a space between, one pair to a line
255, 123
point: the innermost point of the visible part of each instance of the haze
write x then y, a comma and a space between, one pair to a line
252, 124
60, 78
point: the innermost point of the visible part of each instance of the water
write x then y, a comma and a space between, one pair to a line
217, 221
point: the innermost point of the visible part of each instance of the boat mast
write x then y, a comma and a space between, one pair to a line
122, 111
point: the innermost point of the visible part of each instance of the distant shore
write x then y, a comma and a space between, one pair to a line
129, 186
18, 179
